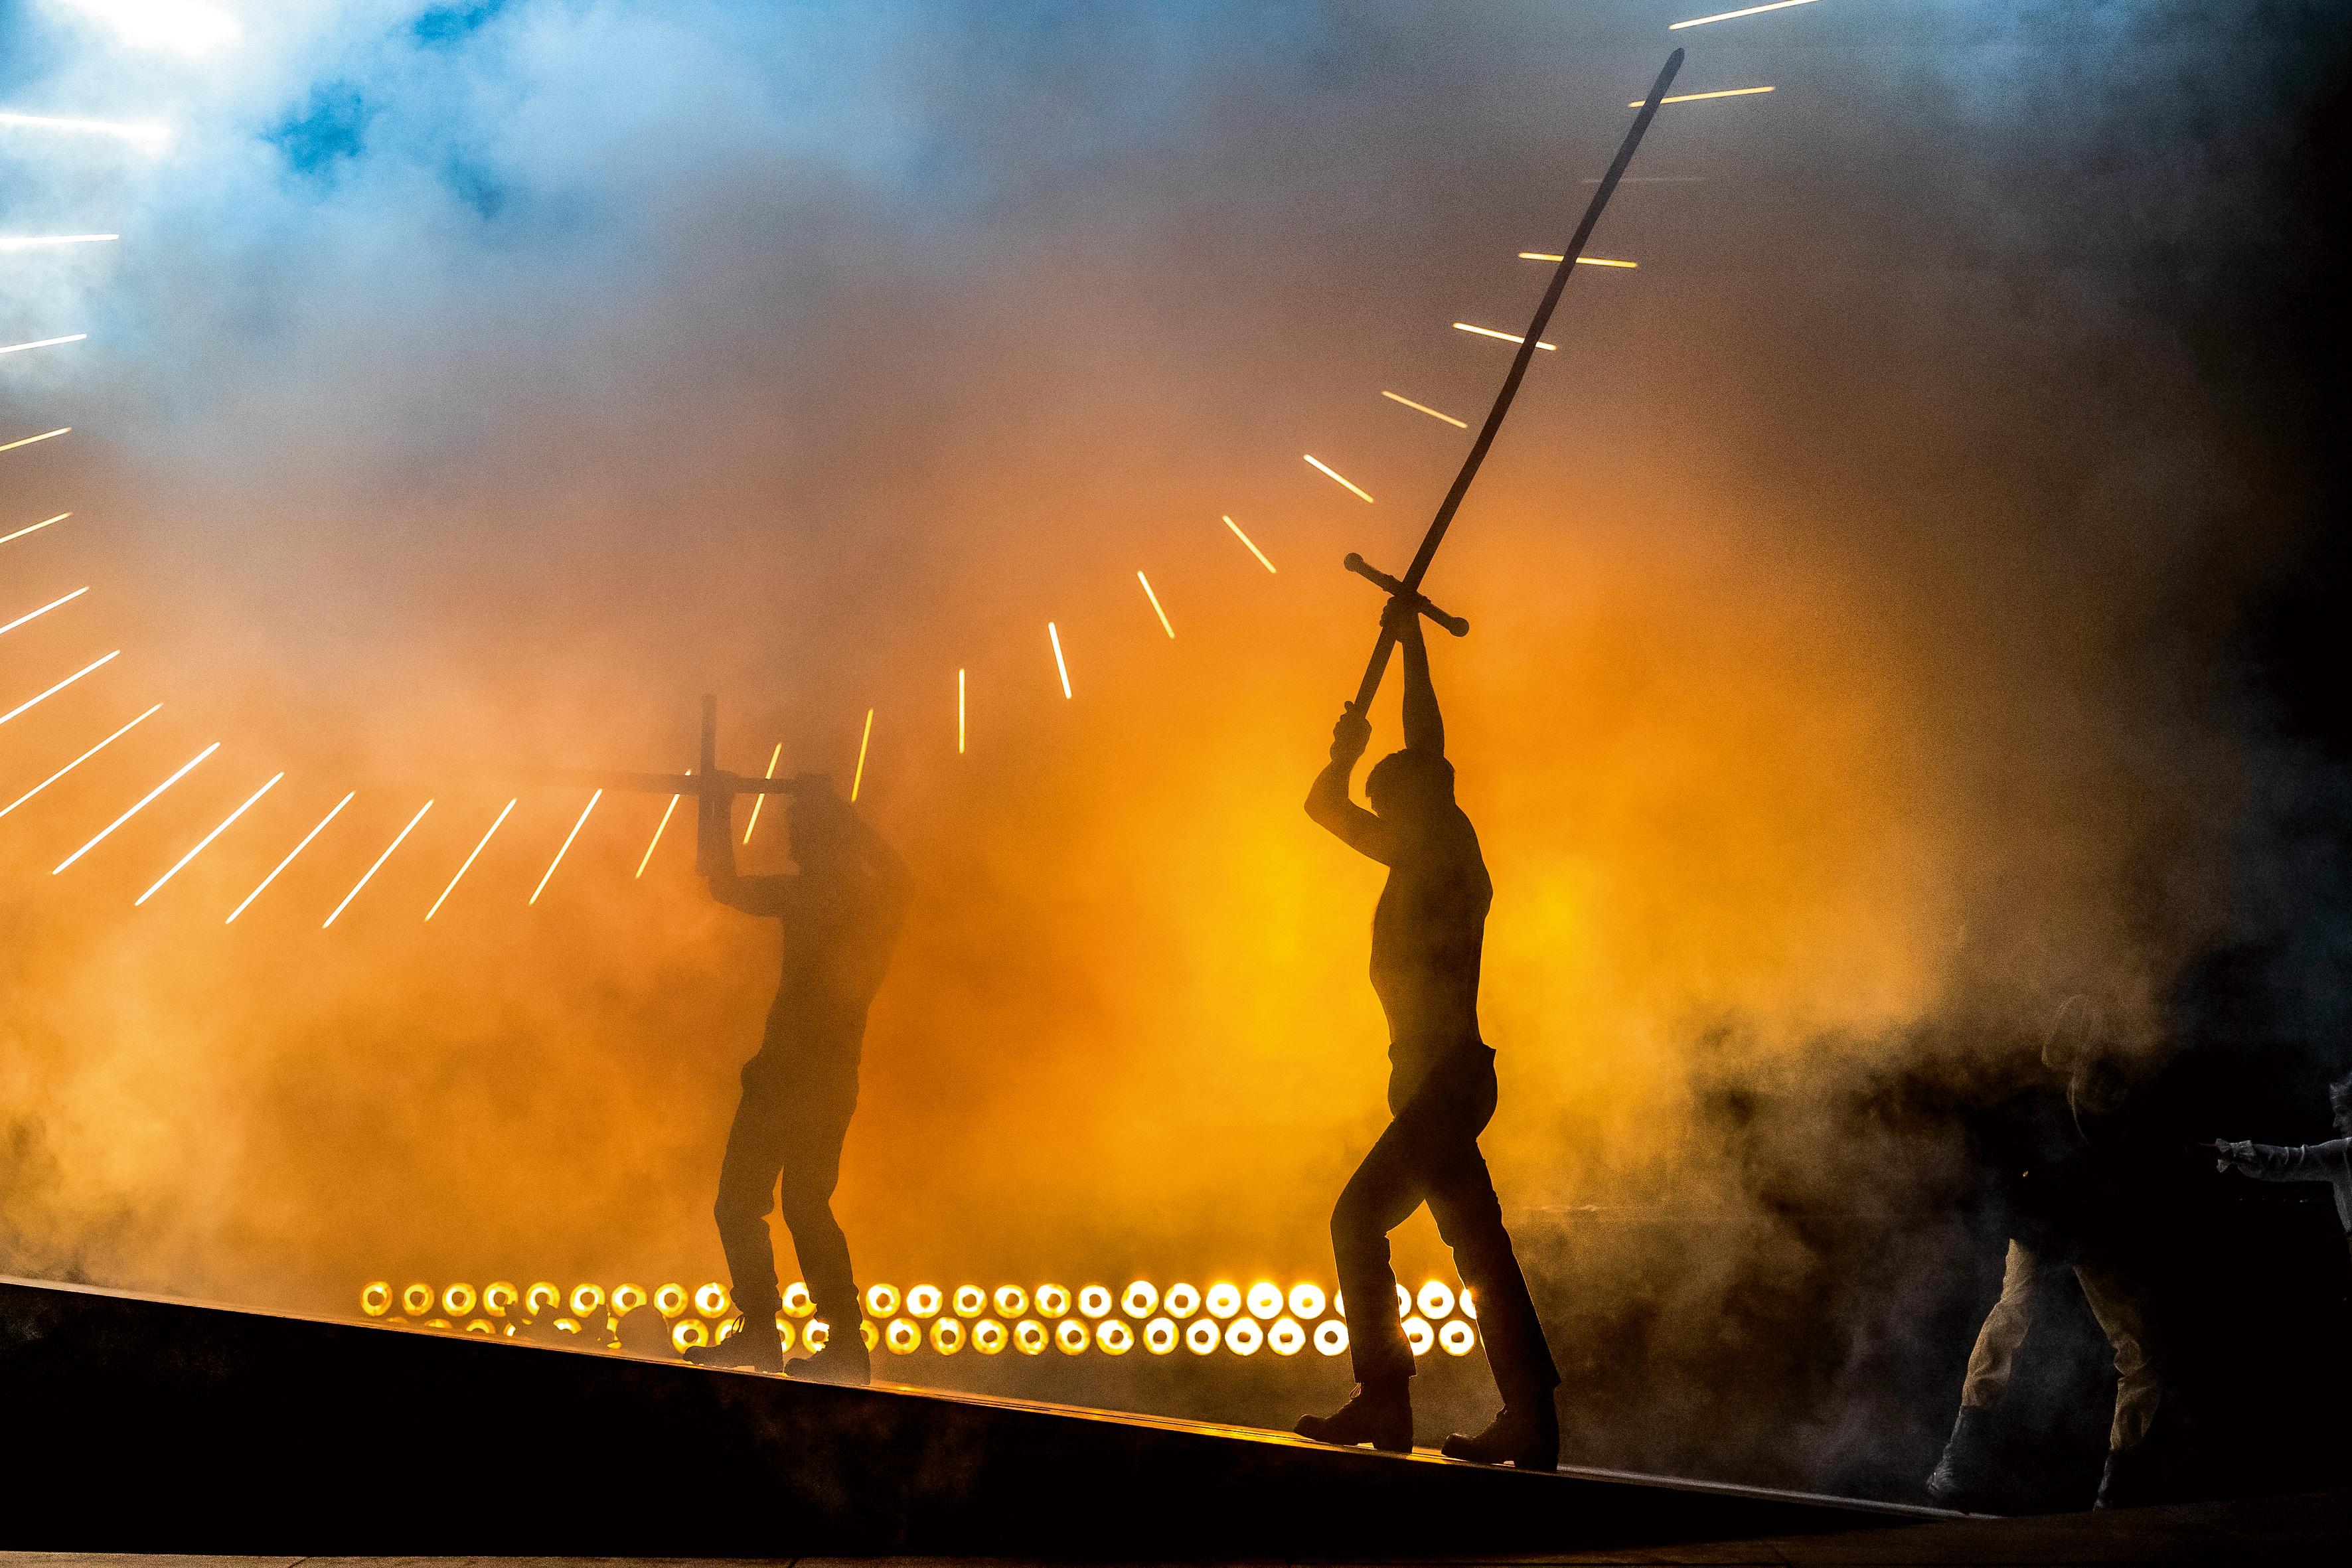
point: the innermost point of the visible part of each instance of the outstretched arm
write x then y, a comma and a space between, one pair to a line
714, 853
1328, 801
2274, 1163
1424, 730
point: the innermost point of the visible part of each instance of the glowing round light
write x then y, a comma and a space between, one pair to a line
988, 1336
1265, 1299
1113, 1337
1242, 1336
1224, 1300
1070, 1337
710, 1300
670, 1301
1457, 1338
1285, 1338
444, 1323
375, 1298
1306, 1302
498, 1296
586, 1299
814, 1332
1139, 1299
457, 1300
687, 1334
881, 1301
1469, 1307
971, 1301
1181, 1301
1011, 1301
416, 1299
1160, 1335
1331, 1337
1029, 1337
797, 1301
1436, 1299
725, 1330
924, 1300
1095, 1301
1201, 1336
1053, 1301
946, 1335
541, 1298
902, 1336
783, 1332
1418, 1335
626, 1299
482, 1326
1404, 1303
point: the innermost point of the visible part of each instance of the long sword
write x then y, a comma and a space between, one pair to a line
1444, 519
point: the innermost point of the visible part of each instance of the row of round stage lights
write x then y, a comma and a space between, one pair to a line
1223, 1316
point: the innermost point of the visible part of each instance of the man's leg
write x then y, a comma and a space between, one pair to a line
746, 1185
1963, 1475
1384, 1189
825, 1100
2116, 1302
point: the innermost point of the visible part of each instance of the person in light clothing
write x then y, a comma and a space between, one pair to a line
2330, 1162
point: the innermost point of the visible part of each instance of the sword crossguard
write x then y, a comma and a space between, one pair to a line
1397, 590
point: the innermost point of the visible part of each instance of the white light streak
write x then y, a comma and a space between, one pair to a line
1730, 15
33, 702
185, 769
1251, 543
1155, 603
959, 712
1491, 333
373, 870
1054, 632
225, 822
42, 344
35, 527
77, 761
45, 610
1703, 97
659, 829
470, 858
859, 776
761, 798
146, 133
1580, 261
38, 241
44, 436
290, 854
1425, 409
1333, 473
568, 837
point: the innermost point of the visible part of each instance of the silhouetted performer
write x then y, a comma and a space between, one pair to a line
840, 914
1426, 936
2330, 1162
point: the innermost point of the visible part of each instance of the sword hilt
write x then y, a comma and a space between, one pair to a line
1397, 590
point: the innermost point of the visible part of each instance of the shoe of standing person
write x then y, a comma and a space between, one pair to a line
1524, 1437
1963, 1476
1379, 1414
2130, 1480
746, 1350
845, 1361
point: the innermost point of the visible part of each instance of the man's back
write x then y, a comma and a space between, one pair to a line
1428, 932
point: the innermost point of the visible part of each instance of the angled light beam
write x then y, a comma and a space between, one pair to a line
146, 132
290, 854
1425, 409
470, 858
45, 610
185, 769
42, 344
1701, 97
77, 761
32, 702
1491, 333
37, 241
182, 863
1246, 539
859, 776
374, 869
45, 523
1054, 633
760, 800
1732, 16
659, 829
44, 436
1155, 603
959, 712
1333, 473
1580, 261
568, 837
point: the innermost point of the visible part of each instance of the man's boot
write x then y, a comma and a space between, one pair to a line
1380, 1413
844, 1359
1526, 1436
1963, 1477
748, 1349
2130, 1480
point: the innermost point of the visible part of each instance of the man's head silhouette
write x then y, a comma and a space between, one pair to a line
1410, 786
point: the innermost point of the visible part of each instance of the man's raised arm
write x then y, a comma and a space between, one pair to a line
1424, 730
714, 853
1328, 801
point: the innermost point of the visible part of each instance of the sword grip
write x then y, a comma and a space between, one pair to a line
1395, 589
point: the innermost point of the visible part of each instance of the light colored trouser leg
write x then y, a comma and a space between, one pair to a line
2139, 1377
2004, 1331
